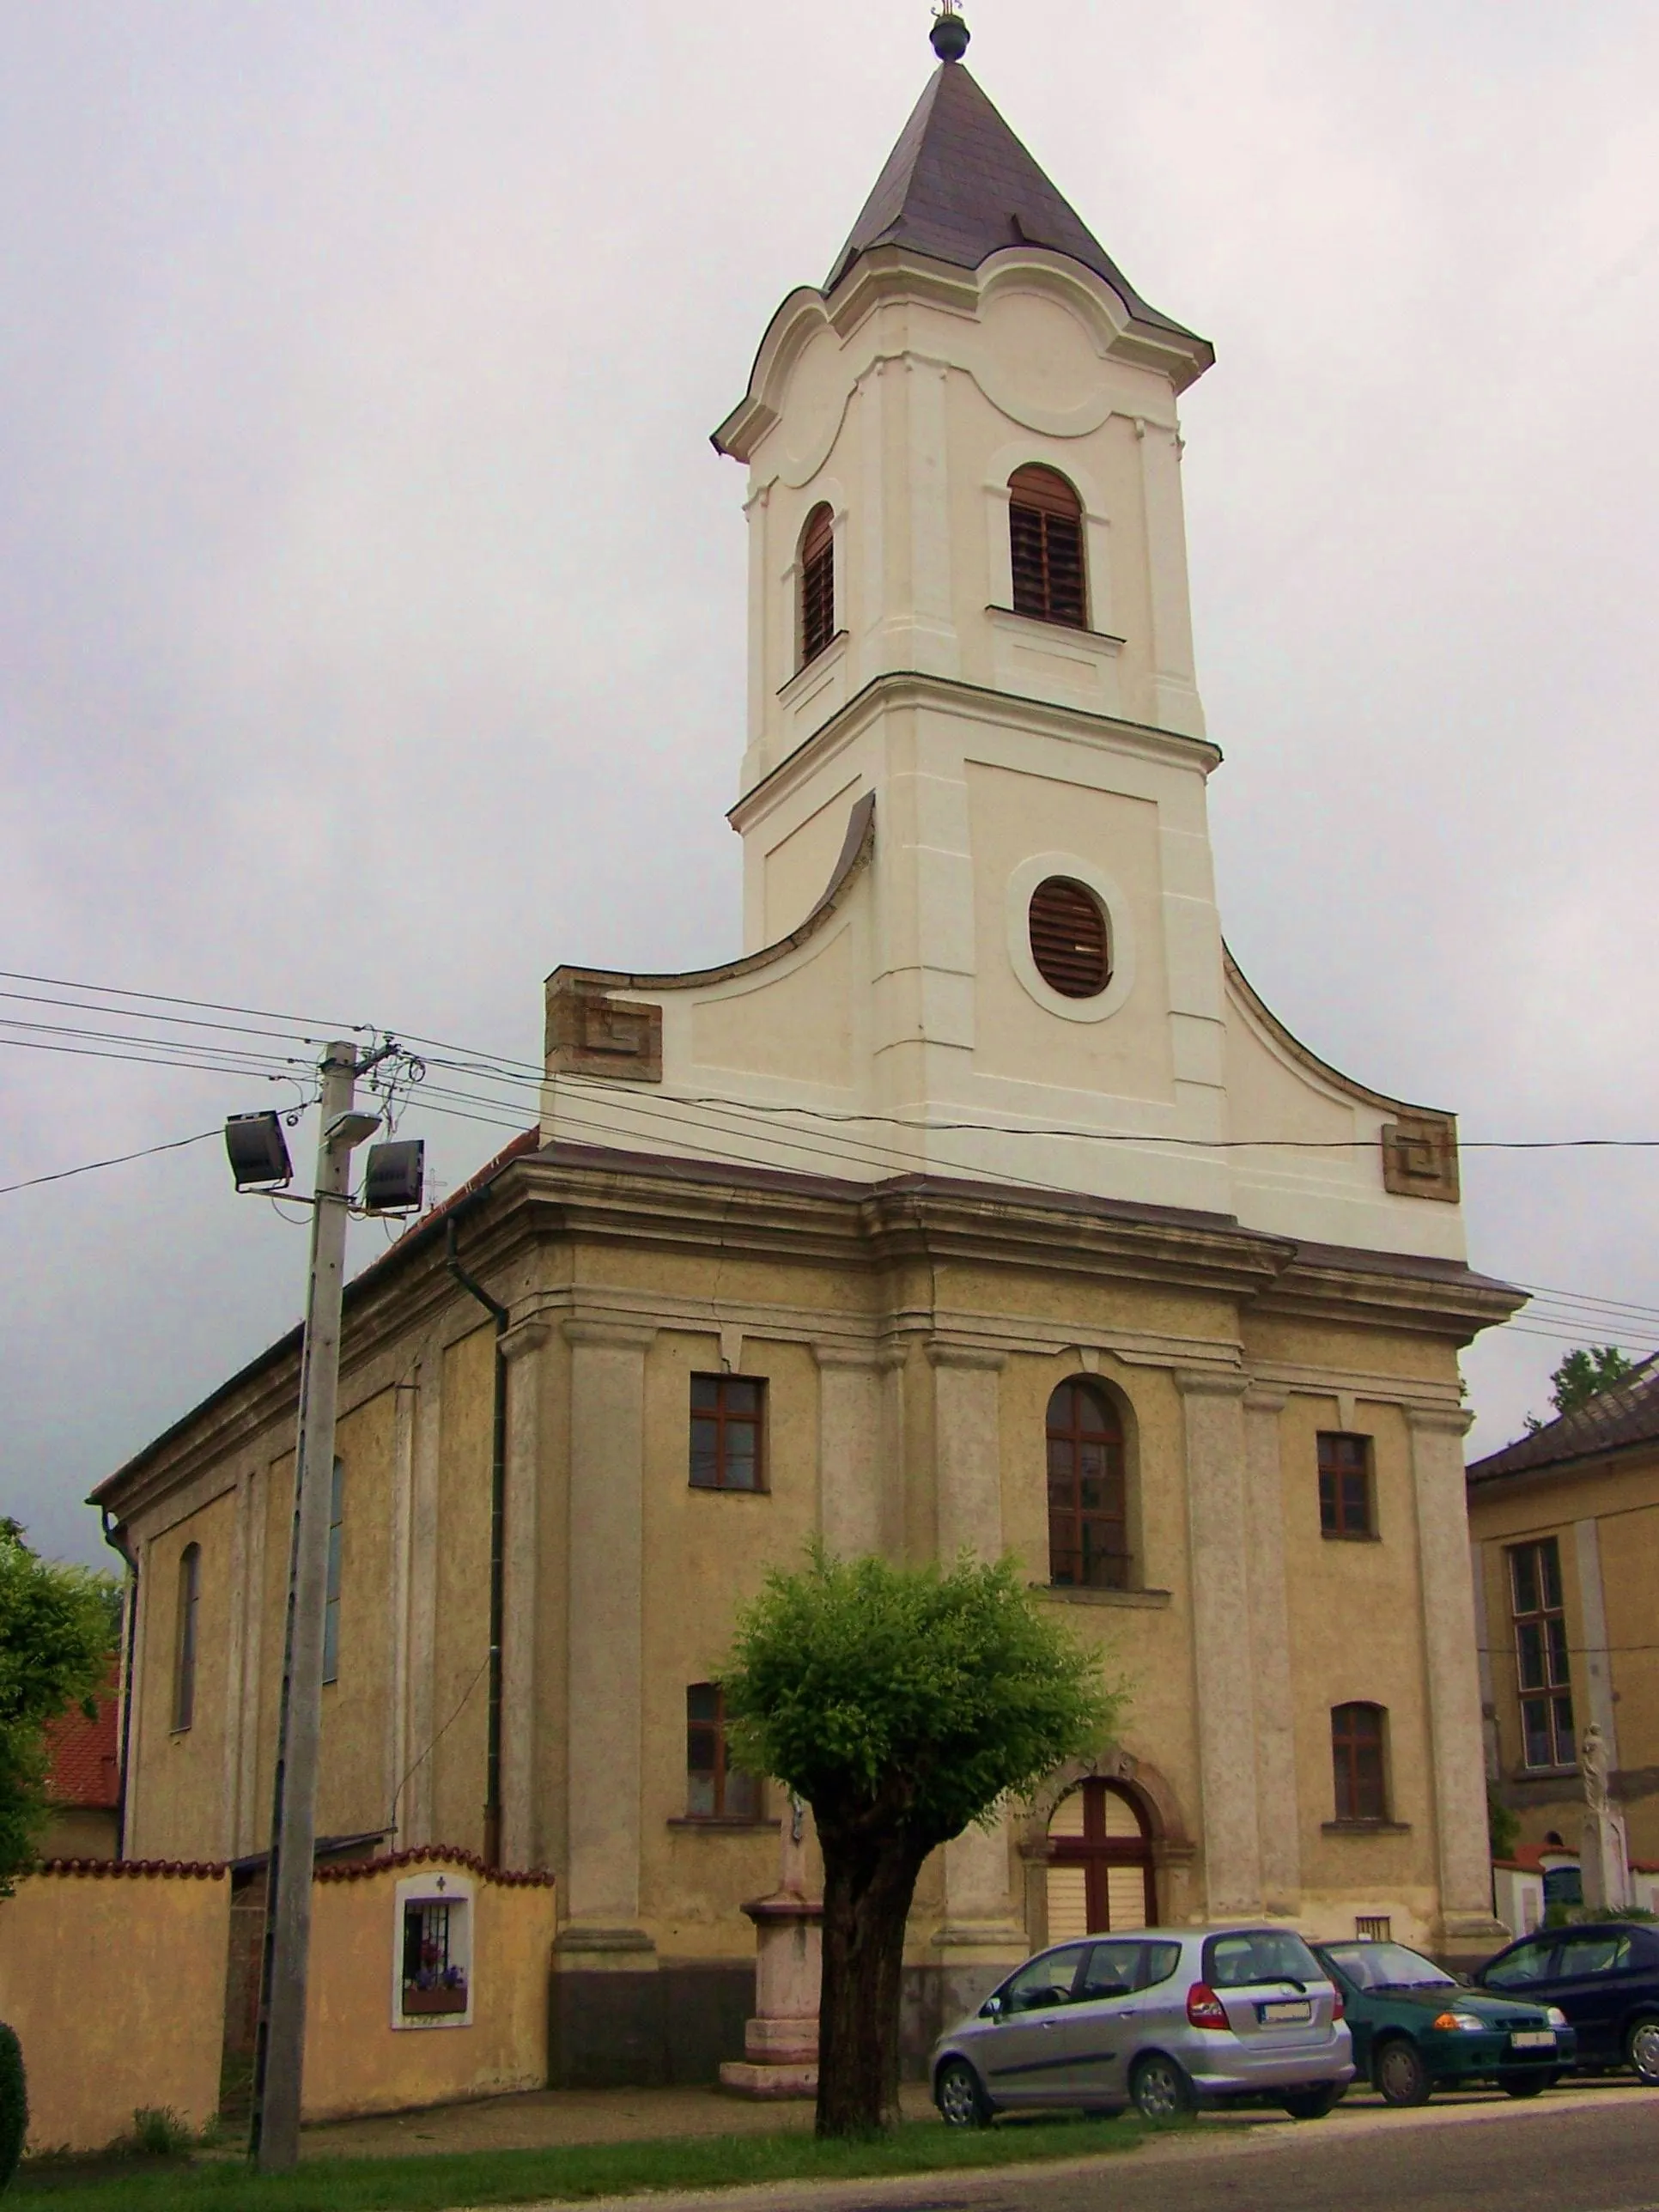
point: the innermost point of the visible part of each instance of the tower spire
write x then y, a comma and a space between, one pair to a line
950, 34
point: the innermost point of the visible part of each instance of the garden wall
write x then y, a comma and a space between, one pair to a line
113, 1975
375, 2040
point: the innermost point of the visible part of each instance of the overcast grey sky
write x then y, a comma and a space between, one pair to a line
371, 603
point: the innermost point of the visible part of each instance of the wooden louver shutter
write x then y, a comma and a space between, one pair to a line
1045, 528
817, 583
1068, 939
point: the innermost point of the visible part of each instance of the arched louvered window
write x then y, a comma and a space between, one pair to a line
1070, 942
1045, 528
183, 1652
817, 583
1088, 1490
1356, 1754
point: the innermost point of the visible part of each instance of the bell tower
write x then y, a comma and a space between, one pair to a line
981, 937
973, 339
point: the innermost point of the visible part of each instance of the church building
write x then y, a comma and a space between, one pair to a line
980, 1205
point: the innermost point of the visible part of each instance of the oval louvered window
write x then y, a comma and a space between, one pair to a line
1069, 942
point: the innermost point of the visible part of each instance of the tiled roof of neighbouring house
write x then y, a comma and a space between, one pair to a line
1611, 1421
86, 1758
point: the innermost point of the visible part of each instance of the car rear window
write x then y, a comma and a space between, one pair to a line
1259, 1955
1387, 1966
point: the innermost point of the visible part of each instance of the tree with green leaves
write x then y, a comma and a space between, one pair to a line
904, 1705
57, 1634
1583, 1375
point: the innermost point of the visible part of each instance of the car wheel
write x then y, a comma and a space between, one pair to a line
1642, 2051
1159, 2089
1311, 2104
1401, 2076
961, 2101
1524, 2085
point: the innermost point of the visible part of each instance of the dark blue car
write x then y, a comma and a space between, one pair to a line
1604, 1975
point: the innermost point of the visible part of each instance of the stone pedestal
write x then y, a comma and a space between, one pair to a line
781, 2043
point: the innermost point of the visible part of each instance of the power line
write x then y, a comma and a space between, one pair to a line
119, 1160
172, 998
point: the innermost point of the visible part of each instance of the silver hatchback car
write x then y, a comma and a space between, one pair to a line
1160, 2018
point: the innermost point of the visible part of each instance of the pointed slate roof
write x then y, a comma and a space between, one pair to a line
959, 186
1627, 1414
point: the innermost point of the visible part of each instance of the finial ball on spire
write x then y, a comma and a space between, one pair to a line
950, 35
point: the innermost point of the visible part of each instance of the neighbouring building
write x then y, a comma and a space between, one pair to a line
1565, 1529
979, 1205
84, 1784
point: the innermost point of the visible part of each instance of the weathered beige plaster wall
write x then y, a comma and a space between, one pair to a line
115, 1984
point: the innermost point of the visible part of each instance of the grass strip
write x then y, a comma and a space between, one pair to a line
571, 2174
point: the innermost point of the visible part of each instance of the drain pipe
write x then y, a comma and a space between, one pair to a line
116, 1537
492, 1811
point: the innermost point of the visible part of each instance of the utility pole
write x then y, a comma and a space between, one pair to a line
279, 2053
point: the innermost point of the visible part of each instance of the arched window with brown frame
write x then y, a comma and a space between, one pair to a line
817, 583
1358, 1756
1100, 1875
1045, 536
185, 1637
1088, 1490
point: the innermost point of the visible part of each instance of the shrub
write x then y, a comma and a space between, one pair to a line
14, 2104
158, 2131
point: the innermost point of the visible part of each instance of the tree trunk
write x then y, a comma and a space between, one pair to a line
868, 1884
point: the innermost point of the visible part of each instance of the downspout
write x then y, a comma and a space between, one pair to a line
116, 1537
492, 1849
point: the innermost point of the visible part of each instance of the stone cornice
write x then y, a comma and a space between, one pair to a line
1004, 710
408, 1308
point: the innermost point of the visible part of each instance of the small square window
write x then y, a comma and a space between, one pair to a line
728, 1415
1345, 1486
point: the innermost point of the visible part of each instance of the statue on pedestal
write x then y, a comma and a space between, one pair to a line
1604, 1855
780, 2043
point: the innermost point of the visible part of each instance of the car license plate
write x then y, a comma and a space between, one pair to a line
1533, 2039
1292, 2008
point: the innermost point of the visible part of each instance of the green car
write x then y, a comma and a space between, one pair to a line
1416, 2028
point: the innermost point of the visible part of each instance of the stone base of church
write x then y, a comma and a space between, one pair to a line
672, 2028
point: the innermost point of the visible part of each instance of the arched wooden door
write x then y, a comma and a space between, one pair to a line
1100, 1863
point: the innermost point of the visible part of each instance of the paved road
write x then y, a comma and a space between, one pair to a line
1579, 2151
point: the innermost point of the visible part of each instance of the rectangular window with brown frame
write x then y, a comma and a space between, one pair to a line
714, 1789
1543, 1675
728, 1432
1357, 1756
1346, 1506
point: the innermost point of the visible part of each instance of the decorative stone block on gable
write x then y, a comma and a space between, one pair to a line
589, 1033
1420, 1158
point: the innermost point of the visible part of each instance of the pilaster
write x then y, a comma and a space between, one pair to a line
412, 1812
405, 1398
980, 1937
1276, 1810
1454, 1682
1223, 1665
522, 1845
849, 1449
605, 1608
